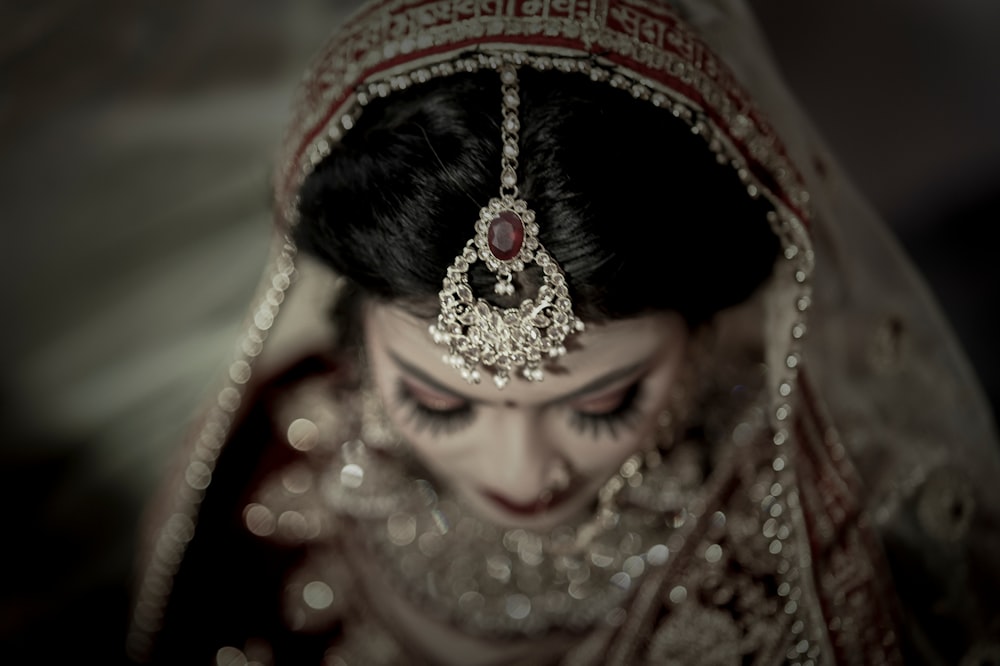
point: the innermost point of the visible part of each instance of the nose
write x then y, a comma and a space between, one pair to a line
517, 460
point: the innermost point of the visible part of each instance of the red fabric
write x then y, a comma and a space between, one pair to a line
645, 39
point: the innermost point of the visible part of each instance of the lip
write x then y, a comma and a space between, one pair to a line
535, 508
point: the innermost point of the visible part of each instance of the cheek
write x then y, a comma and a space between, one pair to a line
607, 453
427, 449
603, 455
445, 453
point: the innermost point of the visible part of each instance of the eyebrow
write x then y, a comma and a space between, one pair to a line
596, 384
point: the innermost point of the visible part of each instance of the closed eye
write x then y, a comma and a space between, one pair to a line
607, 412
429, 409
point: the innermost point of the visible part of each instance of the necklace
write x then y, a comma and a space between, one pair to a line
685, 533
512, 582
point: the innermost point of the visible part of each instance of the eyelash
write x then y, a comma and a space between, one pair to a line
434, 420
621, 416
450, 421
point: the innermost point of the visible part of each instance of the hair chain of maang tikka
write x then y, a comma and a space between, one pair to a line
478, 333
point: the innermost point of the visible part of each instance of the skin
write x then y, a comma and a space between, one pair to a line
508, 447
503, 451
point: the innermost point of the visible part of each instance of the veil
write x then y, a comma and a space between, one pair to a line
900, 406
907, 408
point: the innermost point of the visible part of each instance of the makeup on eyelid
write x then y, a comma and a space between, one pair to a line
447, 413
536, 454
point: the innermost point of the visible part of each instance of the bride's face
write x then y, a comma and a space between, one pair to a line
504, 451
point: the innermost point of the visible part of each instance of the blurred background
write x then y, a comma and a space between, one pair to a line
136, 139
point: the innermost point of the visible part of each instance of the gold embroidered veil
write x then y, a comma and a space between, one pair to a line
877, 427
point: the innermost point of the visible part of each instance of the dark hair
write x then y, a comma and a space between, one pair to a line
630, 202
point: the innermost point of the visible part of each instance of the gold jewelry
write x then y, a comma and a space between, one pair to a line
477, 332
632, 45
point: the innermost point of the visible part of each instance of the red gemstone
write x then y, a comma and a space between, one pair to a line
505, 235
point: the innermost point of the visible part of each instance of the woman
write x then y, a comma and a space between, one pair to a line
676, 421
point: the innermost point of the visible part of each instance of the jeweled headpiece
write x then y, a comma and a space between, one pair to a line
477, 332
639, 46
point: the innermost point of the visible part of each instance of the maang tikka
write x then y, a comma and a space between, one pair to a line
477, 332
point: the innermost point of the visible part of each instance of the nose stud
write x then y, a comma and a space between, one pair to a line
558, 481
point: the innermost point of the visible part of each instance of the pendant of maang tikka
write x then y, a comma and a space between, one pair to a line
477, 333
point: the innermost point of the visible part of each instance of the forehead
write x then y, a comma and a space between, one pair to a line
600, 349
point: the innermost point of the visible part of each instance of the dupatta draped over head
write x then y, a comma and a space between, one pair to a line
859, 524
